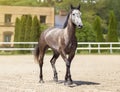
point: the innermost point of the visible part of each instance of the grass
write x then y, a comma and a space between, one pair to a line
102, 52
13, 53
83, 52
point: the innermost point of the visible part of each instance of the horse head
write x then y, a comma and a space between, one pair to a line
76, 16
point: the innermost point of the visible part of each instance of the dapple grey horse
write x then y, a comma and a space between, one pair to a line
62, 41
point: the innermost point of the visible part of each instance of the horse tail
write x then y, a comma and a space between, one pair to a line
36, 53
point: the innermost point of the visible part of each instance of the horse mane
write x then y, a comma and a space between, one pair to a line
66, 21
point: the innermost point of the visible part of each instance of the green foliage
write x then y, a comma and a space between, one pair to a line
86, 34
113, 5
22, 28
15, 2
112, 28
98, 29
28, 28
25, 3
17, 31
104, 6
43, 27
28, 31
21, 34
35, 33
65, 5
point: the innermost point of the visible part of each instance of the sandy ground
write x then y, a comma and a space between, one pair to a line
90, 73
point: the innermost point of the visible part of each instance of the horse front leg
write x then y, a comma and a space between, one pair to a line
68, 73
68, 80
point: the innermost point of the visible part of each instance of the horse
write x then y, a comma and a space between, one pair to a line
62, 41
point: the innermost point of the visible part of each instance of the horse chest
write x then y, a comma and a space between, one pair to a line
70, 48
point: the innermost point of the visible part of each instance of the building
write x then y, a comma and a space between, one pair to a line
59, 21
8, 15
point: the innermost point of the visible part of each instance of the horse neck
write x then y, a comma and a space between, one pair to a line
70, 29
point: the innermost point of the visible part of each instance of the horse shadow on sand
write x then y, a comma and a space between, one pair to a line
80, 83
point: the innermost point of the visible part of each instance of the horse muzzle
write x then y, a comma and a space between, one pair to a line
80, 26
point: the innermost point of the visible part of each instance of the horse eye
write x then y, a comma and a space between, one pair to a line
73, 14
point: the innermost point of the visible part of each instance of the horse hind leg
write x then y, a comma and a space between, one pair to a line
41, 65
41, 57
52, 61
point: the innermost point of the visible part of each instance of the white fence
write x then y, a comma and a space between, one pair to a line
99, 46
81, 46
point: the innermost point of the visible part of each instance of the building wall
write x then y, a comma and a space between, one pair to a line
18, 11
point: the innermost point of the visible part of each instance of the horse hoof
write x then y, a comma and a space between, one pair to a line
41, 81
55, 79
68, 83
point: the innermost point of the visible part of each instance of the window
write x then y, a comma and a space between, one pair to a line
7, 38
8, 18
43, 19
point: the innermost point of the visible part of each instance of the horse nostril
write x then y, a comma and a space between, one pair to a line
80, 26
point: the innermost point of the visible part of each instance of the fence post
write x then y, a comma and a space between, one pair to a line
76, 51
98, 48
111, 48
89, 48
32, 51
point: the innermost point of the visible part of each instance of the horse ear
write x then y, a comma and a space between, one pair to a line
71, 6
78, 7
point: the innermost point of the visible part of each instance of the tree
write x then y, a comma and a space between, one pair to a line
104, 6
28, 28
17, 31
98, 29
86, 34
35, 32
28, 31
22, 32
112, 28
22, 29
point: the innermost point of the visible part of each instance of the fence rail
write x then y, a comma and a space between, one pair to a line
81, 46
99, 46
